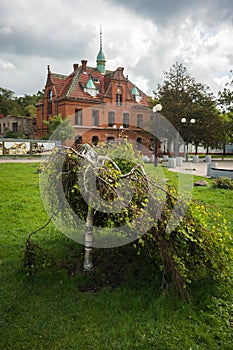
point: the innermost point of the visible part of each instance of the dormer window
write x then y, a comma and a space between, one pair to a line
90, 88
136, 94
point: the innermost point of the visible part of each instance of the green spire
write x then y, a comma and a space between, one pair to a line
100, 61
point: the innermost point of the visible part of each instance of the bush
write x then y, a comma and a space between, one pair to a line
223, 182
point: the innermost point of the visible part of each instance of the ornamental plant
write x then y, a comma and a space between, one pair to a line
223, 182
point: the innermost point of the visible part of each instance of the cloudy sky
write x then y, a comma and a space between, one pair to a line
144, 36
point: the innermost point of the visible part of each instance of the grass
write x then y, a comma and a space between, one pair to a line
217, 199
61, 308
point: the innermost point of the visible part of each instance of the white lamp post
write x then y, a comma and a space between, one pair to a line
157, 108
120, 129
186, 123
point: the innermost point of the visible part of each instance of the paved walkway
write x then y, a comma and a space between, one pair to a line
200, 169
19, 160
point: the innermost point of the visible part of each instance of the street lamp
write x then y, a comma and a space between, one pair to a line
120, 130
157, 108
121, 127
186, 123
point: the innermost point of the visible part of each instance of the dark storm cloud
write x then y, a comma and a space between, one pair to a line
50, 43
144, 36
45, 29
167, 12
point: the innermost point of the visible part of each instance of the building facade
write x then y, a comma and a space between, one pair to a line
17, 125
102, 105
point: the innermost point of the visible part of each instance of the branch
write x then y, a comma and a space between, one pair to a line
37, 230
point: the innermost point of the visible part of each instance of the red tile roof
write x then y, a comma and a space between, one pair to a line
73, 86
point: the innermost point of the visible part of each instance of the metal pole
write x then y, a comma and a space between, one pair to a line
157, 108
156, 161
187, 152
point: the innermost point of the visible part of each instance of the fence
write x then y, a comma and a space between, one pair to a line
20, 147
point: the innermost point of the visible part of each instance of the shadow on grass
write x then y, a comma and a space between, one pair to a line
113, 267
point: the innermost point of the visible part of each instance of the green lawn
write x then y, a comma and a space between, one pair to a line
55, 310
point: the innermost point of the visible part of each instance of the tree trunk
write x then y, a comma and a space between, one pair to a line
88, 265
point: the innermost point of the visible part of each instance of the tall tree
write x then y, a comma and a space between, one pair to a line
225, 104
8, 105
23, 105
225, 97
182, 97
28, 103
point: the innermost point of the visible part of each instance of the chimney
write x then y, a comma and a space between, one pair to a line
84, 65
75, 65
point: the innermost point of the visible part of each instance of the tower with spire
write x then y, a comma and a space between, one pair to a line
100, 60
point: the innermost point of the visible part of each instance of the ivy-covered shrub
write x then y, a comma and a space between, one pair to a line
223, 182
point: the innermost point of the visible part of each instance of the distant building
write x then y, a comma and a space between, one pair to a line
100, 103
17, 124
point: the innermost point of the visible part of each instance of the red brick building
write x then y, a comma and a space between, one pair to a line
102, 104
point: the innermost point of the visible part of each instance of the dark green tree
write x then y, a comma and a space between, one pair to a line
30, 110
23, 105
8, 105
28, 103
225, 104
182, 97
225, 97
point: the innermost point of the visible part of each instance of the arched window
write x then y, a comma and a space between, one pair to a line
49, 107
50, 94
119, 96
95, 140
110, 139
78, 140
